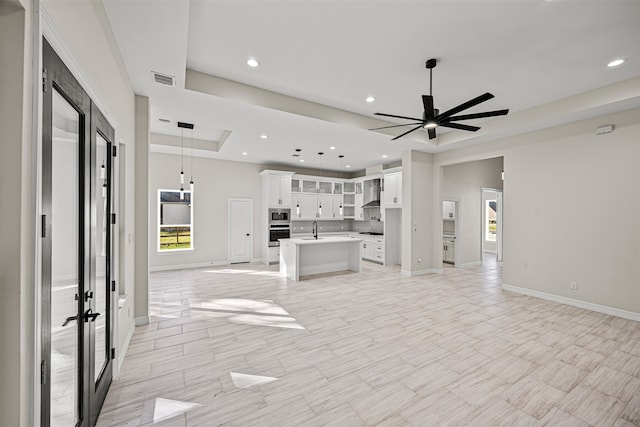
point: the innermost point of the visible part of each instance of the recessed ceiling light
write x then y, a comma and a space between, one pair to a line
332, 148
384, 156
244, 153
301, 160
616, 62
253, 62
348, 166
370, 99
263, 136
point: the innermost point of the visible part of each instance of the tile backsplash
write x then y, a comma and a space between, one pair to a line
304, 227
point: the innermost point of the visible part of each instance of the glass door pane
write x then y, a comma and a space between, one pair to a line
101, 251
65, 277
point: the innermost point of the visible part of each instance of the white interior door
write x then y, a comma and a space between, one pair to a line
240, 230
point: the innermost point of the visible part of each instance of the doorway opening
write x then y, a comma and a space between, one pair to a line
491, 224
450, 232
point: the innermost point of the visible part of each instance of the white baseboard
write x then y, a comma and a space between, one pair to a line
187, 266
574, 302
121, 352
471, 264
142, 320
409, 273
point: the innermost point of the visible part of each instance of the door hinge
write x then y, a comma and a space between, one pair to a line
113, 286
114, 150
43, 370
113, 218
44, 79
43, 226
113, 353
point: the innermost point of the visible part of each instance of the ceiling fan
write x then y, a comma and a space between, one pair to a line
432, 118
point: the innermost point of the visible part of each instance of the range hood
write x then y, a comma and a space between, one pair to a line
372, 204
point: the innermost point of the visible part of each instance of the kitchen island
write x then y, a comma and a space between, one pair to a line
308, 255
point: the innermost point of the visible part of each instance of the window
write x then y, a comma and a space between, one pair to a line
490, 221
175, 221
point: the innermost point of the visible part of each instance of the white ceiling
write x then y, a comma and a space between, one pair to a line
336, 53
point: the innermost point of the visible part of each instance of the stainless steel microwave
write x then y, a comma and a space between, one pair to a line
278, 215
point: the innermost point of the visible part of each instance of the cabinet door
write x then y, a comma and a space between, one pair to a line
359, 214
285, 190
359, 187
274, 190
308, 206
337, 202
326, 201
296, 209
393, 189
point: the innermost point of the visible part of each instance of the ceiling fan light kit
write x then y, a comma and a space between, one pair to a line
432, 118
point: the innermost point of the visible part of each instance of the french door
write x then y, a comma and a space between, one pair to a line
77, 298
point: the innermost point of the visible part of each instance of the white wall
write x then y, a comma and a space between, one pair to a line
215, 182
572, 214
465, 181
17, 216
418, 212
576, 177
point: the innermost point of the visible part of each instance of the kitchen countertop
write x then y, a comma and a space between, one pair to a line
321, 239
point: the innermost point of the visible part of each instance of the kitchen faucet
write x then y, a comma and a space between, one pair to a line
315, 230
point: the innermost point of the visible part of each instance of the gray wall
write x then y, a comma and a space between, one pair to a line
570, 209
215, 182
17, 217
571, 213
465, 181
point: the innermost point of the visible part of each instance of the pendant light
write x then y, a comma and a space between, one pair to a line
340, 164
182, 165
182, 127
191, 185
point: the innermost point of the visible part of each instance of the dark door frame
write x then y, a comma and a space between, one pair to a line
91, 394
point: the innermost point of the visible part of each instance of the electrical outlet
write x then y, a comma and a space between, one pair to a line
574, 286
419, 260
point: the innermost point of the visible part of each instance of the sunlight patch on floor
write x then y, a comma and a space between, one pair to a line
242, 305
245, 380
271, 321
167, 408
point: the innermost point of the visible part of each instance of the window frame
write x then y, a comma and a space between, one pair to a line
160, 226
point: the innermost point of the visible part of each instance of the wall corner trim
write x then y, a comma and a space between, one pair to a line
630, 315
408, 273
121, 352
142, 320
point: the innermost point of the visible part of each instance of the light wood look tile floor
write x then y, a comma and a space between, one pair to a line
242, 346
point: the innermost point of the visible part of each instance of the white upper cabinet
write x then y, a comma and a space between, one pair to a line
278, 188
448, 210
392, 190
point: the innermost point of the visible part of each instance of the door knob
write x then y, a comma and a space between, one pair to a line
90, 316
70, 319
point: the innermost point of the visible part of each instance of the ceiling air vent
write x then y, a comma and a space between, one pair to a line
163, 79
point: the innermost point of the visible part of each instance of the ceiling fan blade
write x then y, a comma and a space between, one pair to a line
396, 126
427, 101
400, 136
397, 117
475, 101
460, 126
478, 115
432, 133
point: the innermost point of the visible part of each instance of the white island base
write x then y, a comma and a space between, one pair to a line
304, 256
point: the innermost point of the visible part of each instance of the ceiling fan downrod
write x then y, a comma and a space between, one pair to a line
431, 64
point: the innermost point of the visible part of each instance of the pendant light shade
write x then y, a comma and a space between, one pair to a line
298, 208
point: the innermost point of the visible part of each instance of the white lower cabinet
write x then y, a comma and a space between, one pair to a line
448, 250
372, 248
274, 254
